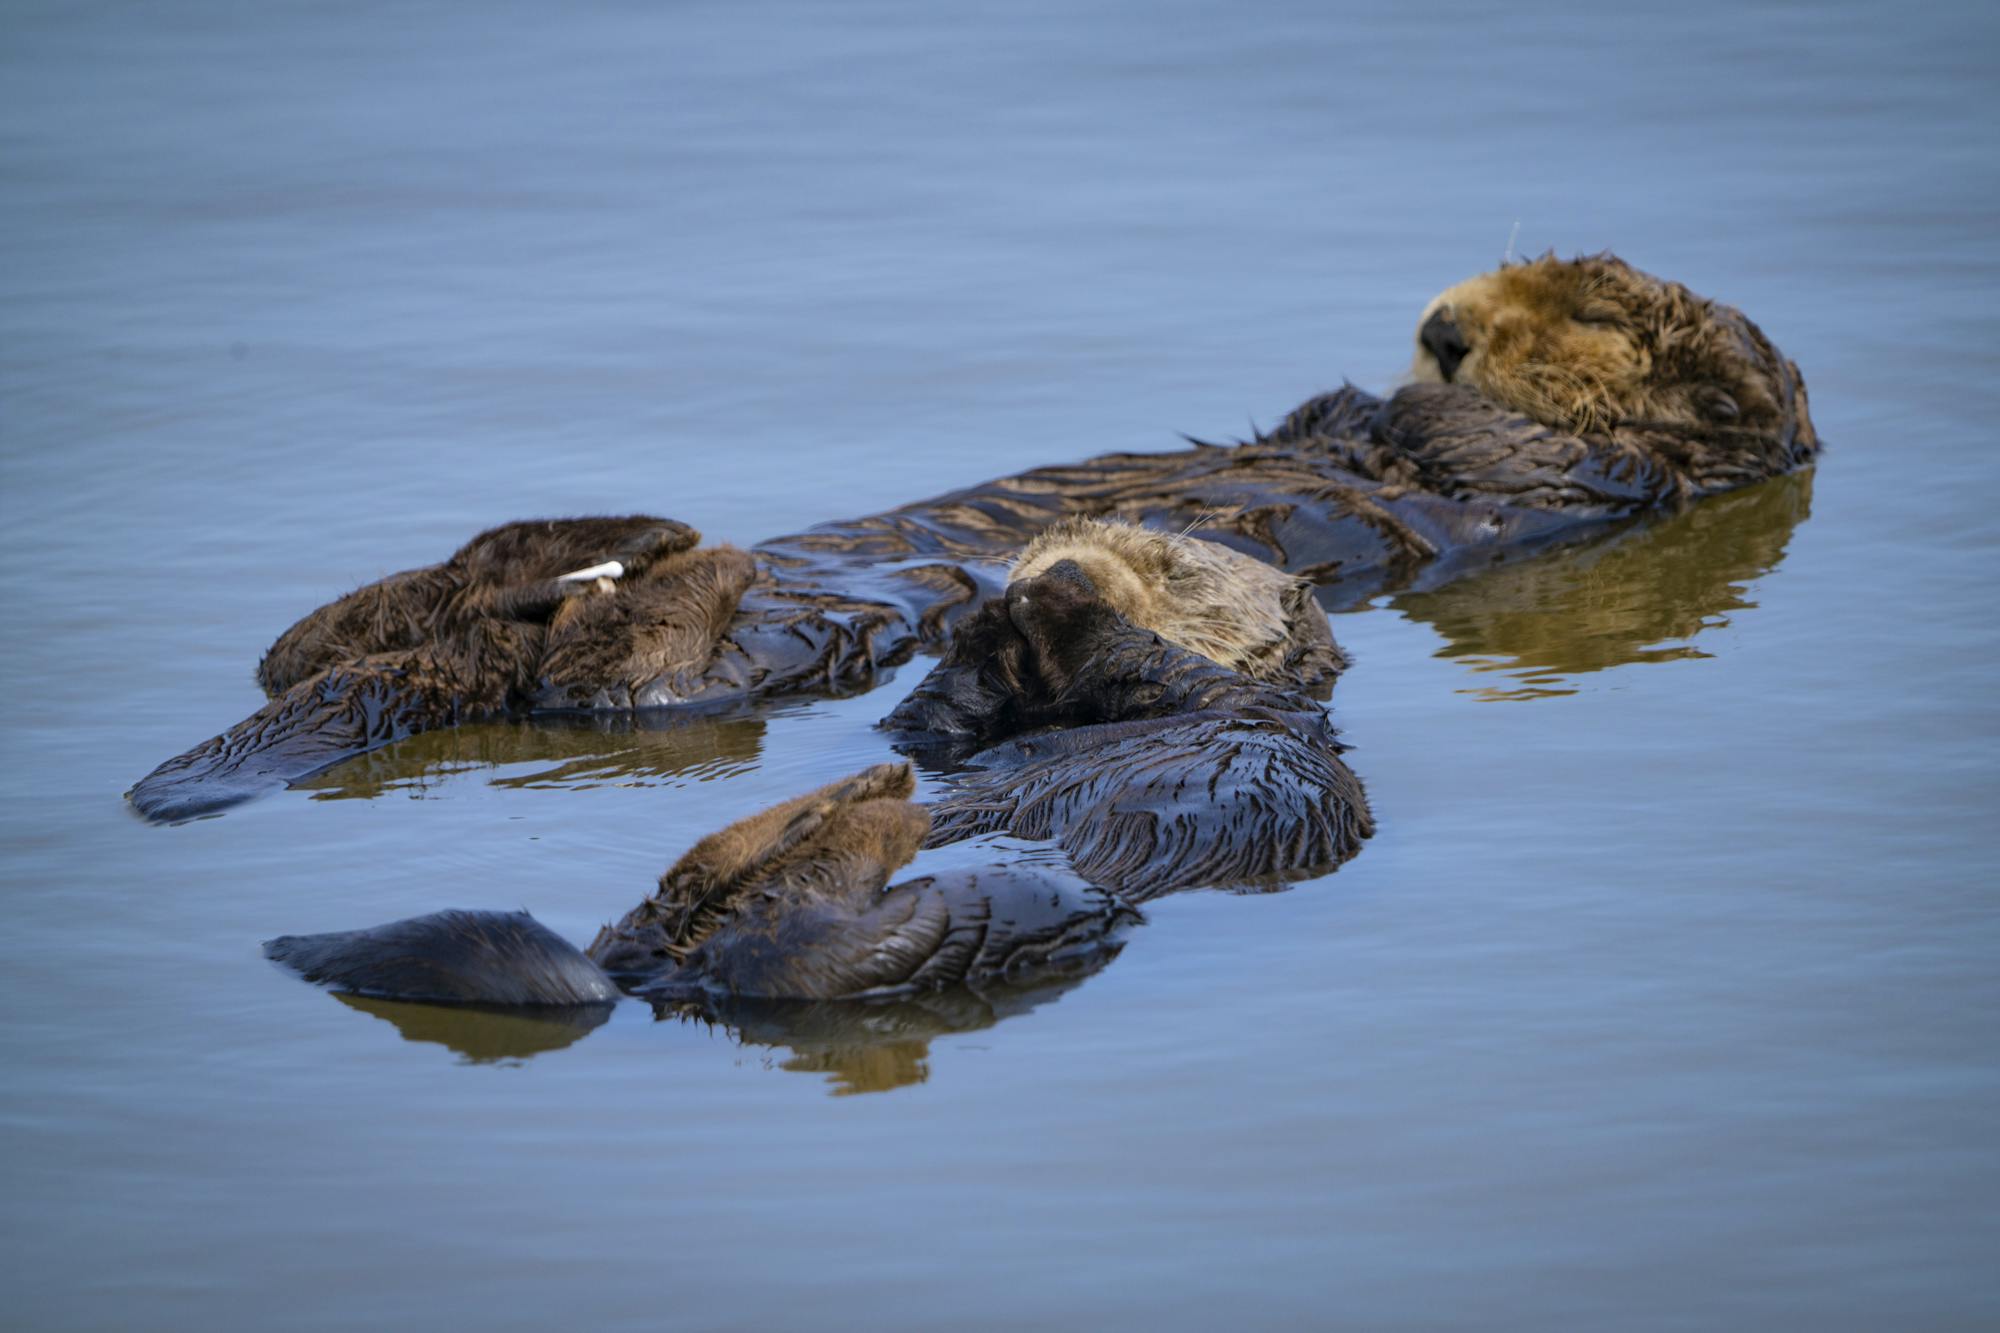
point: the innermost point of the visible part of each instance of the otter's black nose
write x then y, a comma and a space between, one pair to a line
1445, 342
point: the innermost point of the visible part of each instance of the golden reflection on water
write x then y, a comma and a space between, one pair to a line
860, 1046
573, 751
874, 1046
1641, 594
485, 1036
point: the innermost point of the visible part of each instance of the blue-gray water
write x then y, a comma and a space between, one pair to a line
1666, 996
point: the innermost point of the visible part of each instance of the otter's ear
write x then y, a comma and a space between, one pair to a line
1716, 404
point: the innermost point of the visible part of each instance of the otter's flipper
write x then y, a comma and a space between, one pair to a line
787, 904
1169, 803
453, 957
336, 714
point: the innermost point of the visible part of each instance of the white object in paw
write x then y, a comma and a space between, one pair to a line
610, 569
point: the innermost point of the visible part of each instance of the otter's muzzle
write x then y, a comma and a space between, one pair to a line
1442, 339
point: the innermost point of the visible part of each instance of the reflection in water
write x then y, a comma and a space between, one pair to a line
579, 751
483, 1035
1637, 595
875, 1046
861, 1045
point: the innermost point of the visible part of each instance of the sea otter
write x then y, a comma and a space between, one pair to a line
1152, 766
1551, 395
791, 903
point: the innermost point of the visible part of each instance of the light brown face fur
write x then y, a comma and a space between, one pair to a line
1227, 606
1592, 344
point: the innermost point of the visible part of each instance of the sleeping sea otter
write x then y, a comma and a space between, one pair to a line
1573, 392
1152, 766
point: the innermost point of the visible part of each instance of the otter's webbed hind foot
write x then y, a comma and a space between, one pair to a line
450, 957
336, 714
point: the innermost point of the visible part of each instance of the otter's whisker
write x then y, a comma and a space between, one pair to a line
1199, 519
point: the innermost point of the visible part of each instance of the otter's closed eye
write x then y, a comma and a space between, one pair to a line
1716, 405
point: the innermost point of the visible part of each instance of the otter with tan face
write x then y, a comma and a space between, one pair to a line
1554, 396
1154, 768
1595, 347
1230, 607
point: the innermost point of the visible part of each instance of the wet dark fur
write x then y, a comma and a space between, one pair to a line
498, 958
1353, 492
1151, 766
792, 903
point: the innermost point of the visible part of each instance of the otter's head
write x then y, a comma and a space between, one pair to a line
1229, 607
1124, 565
1009, 662
1592, 345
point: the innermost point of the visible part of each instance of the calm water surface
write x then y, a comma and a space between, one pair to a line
1665, 998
